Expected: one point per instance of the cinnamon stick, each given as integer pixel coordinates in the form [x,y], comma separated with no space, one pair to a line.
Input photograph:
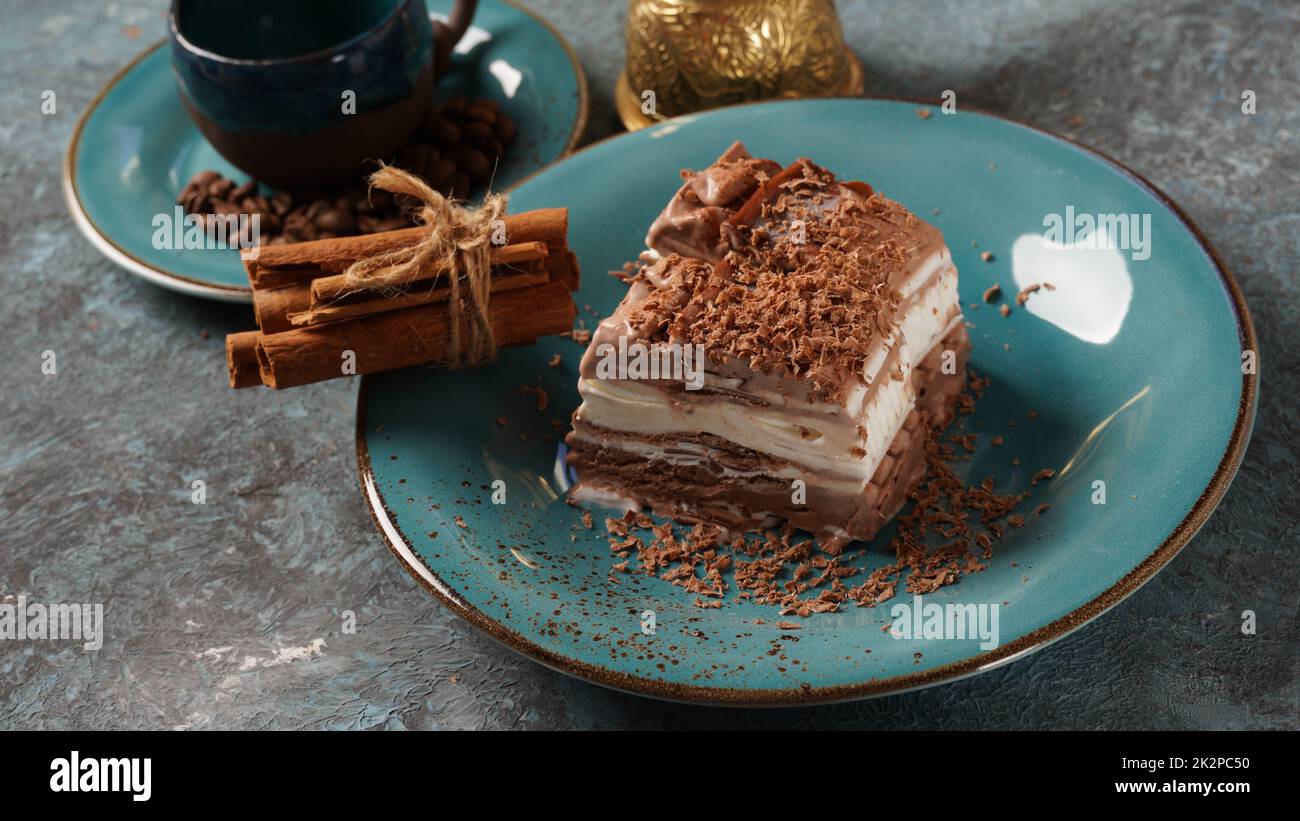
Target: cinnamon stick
[241,359]
[426,296]
[272,306]
[397,339]
[563,266]
[276,265]
[332,289]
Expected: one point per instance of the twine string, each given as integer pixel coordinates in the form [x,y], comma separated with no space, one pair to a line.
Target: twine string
[459,243]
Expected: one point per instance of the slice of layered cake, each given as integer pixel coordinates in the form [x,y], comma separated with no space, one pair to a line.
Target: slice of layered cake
[779,356]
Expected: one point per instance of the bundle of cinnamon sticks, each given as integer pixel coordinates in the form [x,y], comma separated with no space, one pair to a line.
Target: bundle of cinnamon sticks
[315,325]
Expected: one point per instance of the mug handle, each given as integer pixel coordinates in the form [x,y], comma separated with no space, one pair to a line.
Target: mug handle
[447,35]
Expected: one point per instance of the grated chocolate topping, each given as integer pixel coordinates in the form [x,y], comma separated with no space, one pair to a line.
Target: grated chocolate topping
[807,289]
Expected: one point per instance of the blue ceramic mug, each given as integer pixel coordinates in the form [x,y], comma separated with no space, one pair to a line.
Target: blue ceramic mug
[301,93]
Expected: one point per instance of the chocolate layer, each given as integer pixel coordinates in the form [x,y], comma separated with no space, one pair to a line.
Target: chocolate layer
[691,223]
[743,489]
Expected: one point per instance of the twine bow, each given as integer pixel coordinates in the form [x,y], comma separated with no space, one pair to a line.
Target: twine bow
[458,243]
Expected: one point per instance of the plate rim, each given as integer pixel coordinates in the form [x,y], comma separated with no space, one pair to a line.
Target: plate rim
[1144,571]
[174,281]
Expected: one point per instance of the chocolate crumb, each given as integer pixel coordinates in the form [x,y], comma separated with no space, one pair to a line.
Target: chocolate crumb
[994,291]
[947,533]
[1025,292]
[923,113]
[987,256]
[1004,309]
[1045,473]
[542,399]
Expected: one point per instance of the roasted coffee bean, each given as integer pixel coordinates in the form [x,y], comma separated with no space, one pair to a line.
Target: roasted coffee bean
[220,188]
[420,159]
[482,113]
[299,227]
[505,128]
[194,201]
[478,133]
[244,191]
[446,133]
[336,221]
[443,170]
[204,178]
[316,208]
[477,165]
[281,202]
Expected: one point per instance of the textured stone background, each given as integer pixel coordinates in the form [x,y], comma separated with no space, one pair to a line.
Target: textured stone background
[227,615]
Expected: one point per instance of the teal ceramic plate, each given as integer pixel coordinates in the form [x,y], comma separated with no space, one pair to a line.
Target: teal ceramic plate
[135,148]
[1133,366]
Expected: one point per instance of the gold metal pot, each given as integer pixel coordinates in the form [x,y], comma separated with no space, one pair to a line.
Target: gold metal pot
[689,55]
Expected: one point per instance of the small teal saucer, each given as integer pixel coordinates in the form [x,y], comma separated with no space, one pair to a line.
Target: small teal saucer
[1127,380]
[135,148]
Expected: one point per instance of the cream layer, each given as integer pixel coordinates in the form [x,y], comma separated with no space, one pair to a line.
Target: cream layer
[817,437]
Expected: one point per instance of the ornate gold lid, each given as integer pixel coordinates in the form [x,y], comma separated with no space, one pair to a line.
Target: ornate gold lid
[690,55]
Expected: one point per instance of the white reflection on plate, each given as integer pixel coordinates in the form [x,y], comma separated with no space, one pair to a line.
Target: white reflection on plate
[507,75]
[1092,284]
[473,37]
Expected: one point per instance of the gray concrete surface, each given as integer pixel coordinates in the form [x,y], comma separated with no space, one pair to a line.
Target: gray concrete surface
[227,615]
